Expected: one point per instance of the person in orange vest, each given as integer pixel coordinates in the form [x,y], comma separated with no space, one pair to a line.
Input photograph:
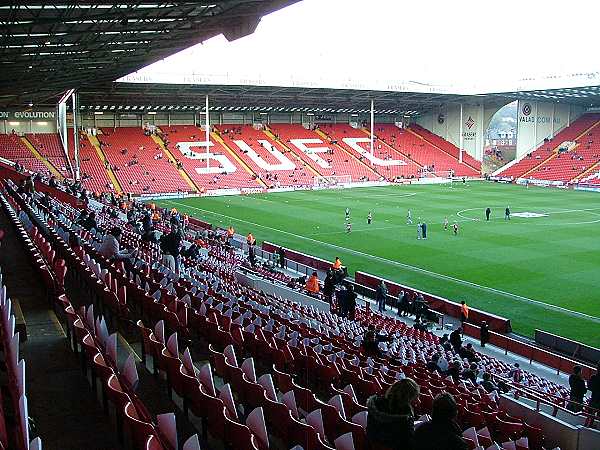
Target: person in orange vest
[464,312]
[337,265]
[250,239]
[312,285]
[230,232]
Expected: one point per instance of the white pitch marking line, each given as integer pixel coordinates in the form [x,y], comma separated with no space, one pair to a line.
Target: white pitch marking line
[405,266]
[549,213]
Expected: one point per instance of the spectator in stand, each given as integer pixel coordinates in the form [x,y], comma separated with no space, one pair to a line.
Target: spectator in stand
[390,421]
[381,295]
[170,244]
[110,248]
[90,222]
[578,390]
[45,200]
[441,432]
[456,339]
[445,342]
[192,251]
[252,255]
[487,383]
[484,333]
[350,301]
[464,312]
[454,370]
[312,285]
[328,286]
[432,364]
[468,352]
[403,304]
[594,388]
[471,373]
[338,270]
[516,373]
[370,343]
[82,217]
[29,185]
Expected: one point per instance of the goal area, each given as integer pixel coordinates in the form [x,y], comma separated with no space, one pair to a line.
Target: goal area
[443,174]
[332,181]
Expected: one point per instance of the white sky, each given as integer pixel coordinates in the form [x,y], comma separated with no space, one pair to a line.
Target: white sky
[460,46]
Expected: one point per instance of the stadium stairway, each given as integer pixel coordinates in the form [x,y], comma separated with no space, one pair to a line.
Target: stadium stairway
[414,133]
[53,170]
[172,158]
[390,148]
[267,131]
[338,146]
[111,175]
[586,172]
[537,166]
[431,138]
[217,137]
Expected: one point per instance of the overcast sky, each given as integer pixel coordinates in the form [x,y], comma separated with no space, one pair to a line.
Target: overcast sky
[459,46]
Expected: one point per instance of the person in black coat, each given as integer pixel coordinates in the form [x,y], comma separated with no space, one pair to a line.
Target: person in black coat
[390,422]
[328,286]
[350,301]
[578,390]
[251,255]
[281,253]
[90,222]
[441,432]
[456,339]
[488,211]
[484,333]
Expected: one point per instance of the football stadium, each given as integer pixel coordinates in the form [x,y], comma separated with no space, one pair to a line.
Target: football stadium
[296,224]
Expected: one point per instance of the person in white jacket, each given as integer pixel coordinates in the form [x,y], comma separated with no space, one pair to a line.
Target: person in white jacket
[111,247]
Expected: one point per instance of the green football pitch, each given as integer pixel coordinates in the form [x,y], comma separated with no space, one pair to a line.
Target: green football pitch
[541,269]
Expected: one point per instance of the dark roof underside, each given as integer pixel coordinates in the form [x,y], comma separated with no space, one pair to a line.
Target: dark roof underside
[160,97]
[50,47]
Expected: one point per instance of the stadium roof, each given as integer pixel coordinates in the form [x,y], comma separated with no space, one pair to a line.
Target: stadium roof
[149,97]
[588,96]
[140,97]
[49,47]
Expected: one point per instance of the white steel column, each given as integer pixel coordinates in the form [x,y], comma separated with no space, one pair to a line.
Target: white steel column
[553,113]
[461,138]
[207,132]
[372,125]
[76,136]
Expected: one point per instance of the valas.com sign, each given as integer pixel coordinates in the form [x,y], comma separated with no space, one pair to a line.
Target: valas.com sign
[542,115]
[28,115]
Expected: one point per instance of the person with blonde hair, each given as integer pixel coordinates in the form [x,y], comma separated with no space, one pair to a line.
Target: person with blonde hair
[390,422]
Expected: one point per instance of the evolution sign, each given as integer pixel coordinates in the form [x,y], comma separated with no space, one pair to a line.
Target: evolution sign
[27,115]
